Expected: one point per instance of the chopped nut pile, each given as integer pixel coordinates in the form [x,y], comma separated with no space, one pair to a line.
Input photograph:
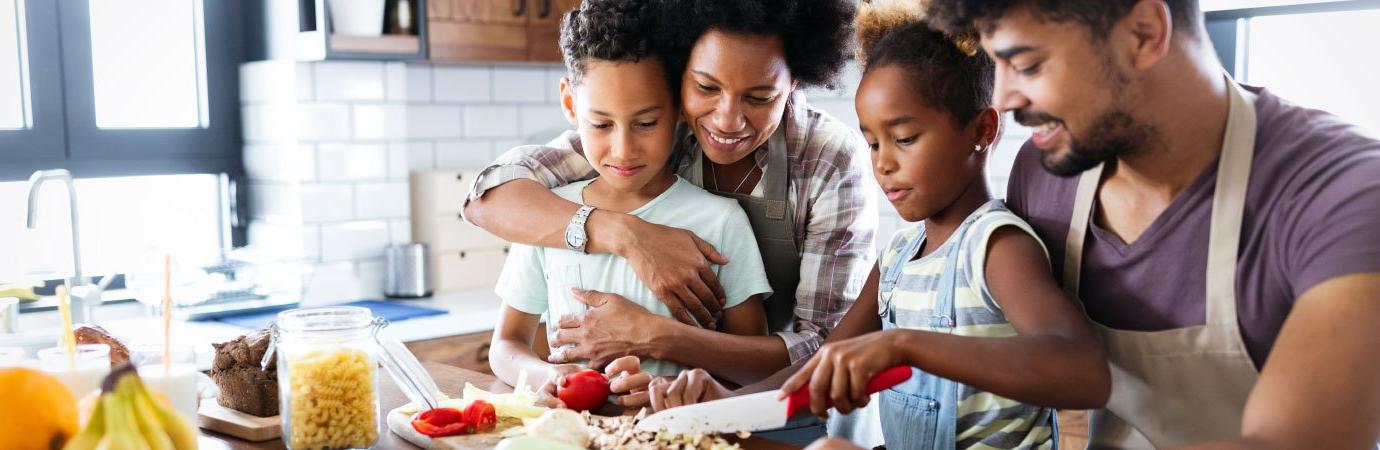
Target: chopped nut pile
[620,433]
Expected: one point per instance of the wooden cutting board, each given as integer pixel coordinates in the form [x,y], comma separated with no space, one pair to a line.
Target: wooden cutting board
[401,425]
[212,416]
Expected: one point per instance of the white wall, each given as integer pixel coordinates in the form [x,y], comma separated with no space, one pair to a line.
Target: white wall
[329,145]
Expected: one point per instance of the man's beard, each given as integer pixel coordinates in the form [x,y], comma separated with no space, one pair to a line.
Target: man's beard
[1113,134]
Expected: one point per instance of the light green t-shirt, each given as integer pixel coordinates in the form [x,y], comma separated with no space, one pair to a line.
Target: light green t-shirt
[537,280]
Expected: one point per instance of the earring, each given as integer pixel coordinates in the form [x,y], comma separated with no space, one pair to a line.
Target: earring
[978,148]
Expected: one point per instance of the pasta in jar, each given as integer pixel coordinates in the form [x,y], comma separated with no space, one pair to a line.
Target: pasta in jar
[332,402]
[328,377]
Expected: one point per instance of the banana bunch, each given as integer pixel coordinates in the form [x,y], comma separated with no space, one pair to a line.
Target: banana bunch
[127,417]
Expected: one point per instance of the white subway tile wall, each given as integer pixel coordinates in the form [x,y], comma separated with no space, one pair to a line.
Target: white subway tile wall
[520,84]
[349,81]
[351,162]
[456,84]
[329,145]
[349,241]
[491,121]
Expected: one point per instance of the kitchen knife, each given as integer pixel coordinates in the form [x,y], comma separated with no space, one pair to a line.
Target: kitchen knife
[752,412]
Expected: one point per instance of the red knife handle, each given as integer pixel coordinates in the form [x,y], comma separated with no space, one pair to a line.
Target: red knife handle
[800,399]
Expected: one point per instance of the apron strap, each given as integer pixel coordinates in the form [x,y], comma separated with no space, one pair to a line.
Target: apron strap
[1229,206]
[1078,228]
[776,178]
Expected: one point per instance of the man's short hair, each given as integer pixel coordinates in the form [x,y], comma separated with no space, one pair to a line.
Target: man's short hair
[1097,15]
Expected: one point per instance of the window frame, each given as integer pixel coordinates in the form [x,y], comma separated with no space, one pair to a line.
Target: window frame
[1225,27]
[46,140]
[62,29]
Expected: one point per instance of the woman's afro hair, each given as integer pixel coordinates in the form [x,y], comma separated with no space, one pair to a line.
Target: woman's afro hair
[816,34]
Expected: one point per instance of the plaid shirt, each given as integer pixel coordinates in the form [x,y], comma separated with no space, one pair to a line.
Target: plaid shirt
[832,192]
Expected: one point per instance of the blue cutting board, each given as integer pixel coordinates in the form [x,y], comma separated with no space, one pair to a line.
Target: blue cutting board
[393,311]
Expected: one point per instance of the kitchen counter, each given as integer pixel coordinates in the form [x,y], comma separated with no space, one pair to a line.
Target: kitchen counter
[450,379]
[469,312]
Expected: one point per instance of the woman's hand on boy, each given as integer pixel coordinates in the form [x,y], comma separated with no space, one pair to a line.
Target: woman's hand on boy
[838,373]
[546,396]
[613,327]
[689,387]
[675,264]
[628,382]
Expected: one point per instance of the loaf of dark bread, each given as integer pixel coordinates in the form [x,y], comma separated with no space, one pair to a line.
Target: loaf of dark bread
[243,385]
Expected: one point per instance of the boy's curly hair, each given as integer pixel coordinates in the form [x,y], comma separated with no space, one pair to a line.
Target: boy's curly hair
[949,72]
[609,30]
[814,33]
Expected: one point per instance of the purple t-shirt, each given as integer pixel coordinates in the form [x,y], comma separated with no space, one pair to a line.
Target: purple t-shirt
[1312,213]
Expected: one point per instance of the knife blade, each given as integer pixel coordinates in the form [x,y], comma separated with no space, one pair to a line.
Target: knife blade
[751,412]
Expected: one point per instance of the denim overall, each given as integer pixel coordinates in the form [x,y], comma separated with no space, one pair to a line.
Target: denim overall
[922,412]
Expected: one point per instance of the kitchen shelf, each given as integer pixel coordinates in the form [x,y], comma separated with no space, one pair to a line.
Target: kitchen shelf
[316,41]
[404,44]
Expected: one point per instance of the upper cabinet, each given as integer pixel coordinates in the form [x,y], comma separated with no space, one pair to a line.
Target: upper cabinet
[353,29]
[495,30]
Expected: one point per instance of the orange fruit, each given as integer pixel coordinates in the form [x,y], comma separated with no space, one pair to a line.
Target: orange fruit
[38,412]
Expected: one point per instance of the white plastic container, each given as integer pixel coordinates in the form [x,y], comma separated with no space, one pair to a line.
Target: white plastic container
[81,373]
[357,17]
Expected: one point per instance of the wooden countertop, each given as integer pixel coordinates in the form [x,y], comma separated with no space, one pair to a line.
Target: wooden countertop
[451,379]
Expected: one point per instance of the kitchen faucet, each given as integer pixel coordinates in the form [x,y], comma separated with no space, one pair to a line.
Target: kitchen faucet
[84,298]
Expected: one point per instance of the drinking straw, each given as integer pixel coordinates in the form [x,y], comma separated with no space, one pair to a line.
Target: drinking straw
[69,340]
[167,312]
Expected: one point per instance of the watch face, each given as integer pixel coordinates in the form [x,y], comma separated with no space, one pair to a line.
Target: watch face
[574,238]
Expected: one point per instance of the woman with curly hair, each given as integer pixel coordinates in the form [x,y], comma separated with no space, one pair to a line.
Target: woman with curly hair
[617,97]
[747,134]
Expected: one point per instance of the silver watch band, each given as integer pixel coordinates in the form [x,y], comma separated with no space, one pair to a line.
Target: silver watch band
[577,228]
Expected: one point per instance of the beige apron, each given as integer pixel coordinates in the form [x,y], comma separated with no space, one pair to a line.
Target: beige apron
[1181,386]
[773,224]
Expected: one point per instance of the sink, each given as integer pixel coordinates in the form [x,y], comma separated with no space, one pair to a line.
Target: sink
[39,330]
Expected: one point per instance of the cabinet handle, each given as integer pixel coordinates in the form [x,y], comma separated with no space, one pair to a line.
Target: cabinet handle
[522,8]
[545,9]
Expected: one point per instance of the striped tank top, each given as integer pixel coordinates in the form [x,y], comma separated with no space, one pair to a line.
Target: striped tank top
[985,420]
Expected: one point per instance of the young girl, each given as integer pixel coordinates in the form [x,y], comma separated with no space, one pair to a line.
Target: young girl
[966,297]
[618,97]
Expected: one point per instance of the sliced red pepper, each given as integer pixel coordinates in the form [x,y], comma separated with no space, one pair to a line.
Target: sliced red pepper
[481,415]
[441,422]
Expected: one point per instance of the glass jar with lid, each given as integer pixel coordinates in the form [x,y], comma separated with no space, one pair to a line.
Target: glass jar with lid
[328,377]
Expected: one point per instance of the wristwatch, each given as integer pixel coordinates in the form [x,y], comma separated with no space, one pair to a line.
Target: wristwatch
[575,237]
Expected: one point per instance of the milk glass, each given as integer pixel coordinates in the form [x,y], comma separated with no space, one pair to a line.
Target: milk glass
[82,372]
[177,383]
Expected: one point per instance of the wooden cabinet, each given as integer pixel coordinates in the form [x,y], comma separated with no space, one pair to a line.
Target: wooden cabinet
[469,351]
[544,30]
[495,30]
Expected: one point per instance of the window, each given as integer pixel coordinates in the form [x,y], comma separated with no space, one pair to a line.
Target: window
[148,87]
[1320,60]
[124,221]
[15,110]
[1320,55]
[147,61]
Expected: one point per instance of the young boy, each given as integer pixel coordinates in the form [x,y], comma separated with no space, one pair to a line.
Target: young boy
[618,97]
